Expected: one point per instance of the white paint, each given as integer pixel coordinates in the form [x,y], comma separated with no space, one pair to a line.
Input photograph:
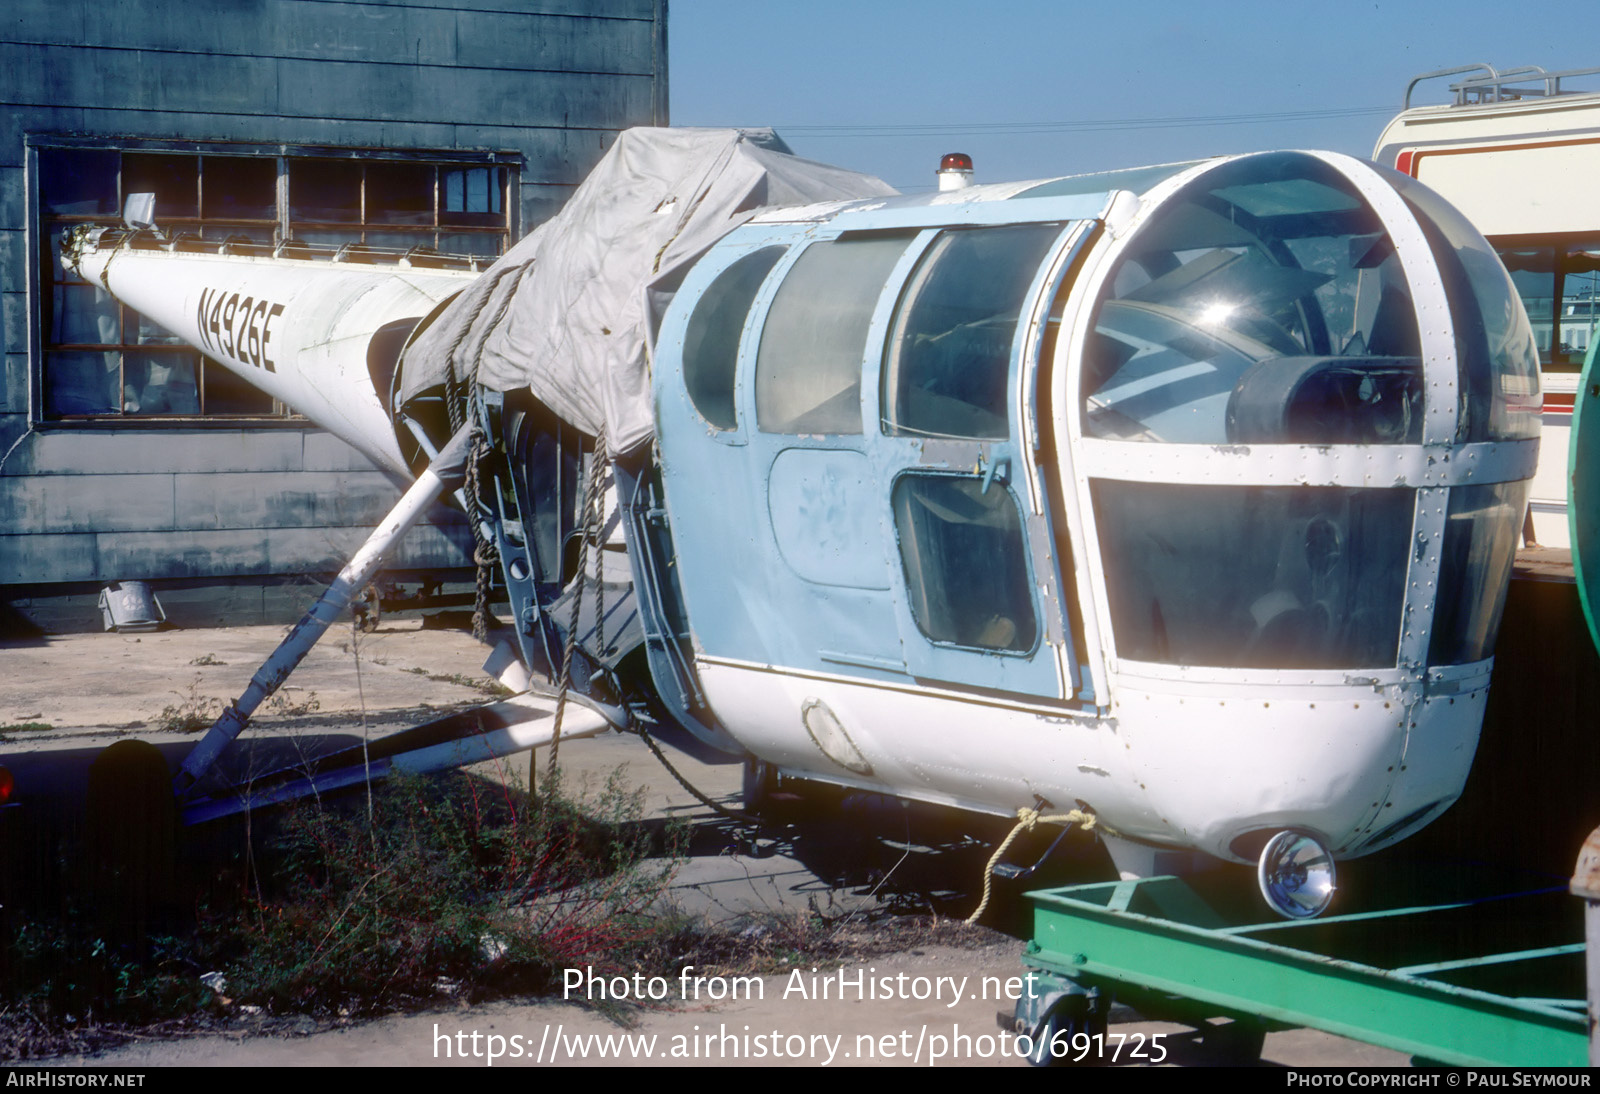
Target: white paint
[317,342]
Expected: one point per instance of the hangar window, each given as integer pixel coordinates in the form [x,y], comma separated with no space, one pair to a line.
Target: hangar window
[103,361]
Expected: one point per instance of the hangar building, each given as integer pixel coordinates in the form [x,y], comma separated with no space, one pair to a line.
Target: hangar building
[450,126]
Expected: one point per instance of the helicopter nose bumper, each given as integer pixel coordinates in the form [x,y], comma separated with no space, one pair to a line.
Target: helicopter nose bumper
[1358,763]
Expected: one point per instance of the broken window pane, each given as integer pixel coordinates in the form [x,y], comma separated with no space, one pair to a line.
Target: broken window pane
[225,393]
[174,180]
[83,383]
[147,332]
[78,181]
[214,199]
[470,243]
[399,193]
[85,316]
[324,190]
[239,187]
[399,241]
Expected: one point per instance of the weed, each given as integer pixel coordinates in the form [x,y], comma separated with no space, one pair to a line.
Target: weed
[488,687]
[280,705]
[453,885]
[450,883]
[192,713]
[26,727]
[207,659]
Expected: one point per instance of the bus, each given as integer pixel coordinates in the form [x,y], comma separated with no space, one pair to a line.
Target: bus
[1518,151]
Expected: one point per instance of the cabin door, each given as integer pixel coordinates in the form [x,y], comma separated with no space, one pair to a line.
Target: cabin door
[978,587]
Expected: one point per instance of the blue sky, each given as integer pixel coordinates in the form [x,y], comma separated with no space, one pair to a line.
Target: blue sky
[1031,88]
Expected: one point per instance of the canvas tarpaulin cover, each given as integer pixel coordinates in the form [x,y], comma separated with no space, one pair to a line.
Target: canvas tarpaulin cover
[567,312]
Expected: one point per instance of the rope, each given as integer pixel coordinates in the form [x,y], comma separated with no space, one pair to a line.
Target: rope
[1026,820]
[485,553]
[588,526]
[453,396]
[736,815]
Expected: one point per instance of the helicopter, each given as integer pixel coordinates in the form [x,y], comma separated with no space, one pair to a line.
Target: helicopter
[1182,499]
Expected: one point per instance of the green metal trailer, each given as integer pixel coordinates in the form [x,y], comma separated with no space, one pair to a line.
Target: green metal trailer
[1444,982]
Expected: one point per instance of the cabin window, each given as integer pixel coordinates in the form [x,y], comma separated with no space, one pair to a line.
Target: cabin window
[1480,543]
[1264,304]
[104,361]
[965,566]
[949,354]
[814,341]
[1498,359]
[711,342]
[1279,577]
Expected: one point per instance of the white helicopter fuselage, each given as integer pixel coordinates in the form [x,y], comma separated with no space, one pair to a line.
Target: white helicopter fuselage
[1176,560]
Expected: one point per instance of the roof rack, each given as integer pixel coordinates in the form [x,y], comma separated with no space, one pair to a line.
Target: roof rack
[1495,86]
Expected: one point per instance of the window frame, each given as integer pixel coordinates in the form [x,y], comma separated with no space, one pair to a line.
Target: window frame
[1562,245]
[43,284]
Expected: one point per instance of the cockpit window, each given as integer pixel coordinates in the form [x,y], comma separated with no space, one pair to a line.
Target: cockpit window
[1315,576]
[814,342]
[1264,304]
[949,353]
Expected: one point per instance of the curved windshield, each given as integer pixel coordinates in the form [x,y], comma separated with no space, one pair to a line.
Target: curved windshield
[1263,303]
[1255,576]
[1498,358]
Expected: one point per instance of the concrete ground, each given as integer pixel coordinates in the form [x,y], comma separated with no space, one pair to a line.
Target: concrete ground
[92,689]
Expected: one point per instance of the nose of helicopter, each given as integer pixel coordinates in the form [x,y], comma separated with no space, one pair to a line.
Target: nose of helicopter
[1358,765]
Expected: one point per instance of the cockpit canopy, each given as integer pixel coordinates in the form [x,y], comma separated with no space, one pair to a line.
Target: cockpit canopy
[1266,303]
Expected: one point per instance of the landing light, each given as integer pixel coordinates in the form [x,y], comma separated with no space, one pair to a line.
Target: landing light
[7,785]
[1296,875]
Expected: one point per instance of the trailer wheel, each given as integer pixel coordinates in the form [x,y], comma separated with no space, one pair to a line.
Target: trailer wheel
[1067,1036]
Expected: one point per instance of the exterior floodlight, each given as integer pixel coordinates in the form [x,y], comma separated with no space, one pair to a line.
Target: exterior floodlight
[1296,875]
